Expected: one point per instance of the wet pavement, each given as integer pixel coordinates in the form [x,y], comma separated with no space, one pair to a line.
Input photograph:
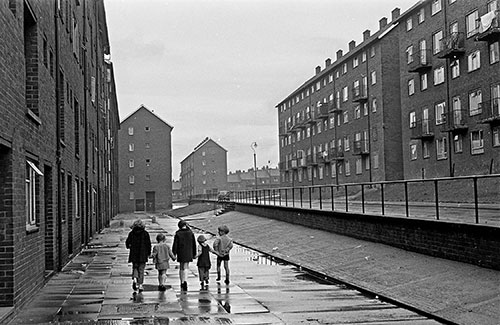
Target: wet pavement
[95,288]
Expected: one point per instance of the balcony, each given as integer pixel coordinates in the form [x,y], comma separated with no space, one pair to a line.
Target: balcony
[301,162]
[491,111]
[336,154]
[283,132]
[422,129]
[452,46]
[334,107]
[322,112]
[360,93]
[361,147]
[312,160]
[421,62]
[489,27]
[309,118]
[457,122]
[298,125]
[292,164]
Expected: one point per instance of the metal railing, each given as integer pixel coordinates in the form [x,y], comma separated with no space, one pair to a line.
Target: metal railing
[466,199]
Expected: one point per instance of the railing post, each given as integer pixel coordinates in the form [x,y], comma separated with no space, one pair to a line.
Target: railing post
[382,198]
[333,198]
[300,191]
[406,200]
[310,197]
[346,199]
[293,197]
[320,197]
[436,197]
[363,197]
[476,205]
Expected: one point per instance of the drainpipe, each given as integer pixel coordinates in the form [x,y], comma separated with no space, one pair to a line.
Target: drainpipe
[449,109]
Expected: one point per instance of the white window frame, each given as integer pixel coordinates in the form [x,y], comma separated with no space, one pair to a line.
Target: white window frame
[435,7]
[423,81]
[475,100]
[455,68]
[437,38]
[413,151]
[494,49]
[472,23]
[477,142]
[441,149]
[474,61]
[438,75]
[421,15]
[32,187]
[131,179]
[409,24]
[131,147]
[131,163]
[373,76]
[130,130]
[411,87]
[439,110]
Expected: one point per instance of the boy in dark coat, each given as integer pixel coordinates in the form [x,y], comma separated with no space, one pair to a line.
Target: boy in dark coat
[139,243]
[184,248]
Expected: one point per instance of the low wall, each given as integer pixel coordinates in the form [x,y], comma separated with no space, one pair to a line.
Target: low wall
[470,243]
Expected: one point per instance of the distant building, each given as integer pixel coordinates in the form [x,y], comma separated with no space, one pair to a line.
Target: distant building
[245,180]
[145,162]
[204,171]
[176,191]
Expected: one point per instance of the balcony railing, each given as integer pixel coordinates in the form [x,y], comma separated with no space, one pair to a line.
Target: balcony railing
[456,120]
[322,111]
[452,46]
[361,147]
[421,61]
[422,129]
[489,27]
[334,106]
[312,160]
[336,154]
[360,93]
[283,132]
[309,118]
[491,111]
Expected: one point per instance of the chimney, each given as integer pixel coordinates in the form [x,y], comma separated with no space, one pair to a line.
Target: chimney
[395,14]
[339,54]
[328,62]
[352,45]
[366,35]
[382,22]
[318,69]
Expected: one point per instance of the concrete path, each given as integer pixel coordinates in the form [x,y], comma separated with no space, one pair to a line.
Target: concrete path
[457,292]
[95,288]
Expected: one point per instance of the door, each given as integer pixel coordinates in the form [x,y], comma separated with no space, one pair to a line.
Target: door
[150,201]
[139,204]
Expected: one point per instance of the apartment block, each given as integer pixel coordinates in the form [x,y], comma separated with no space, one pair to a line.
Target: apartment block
[343,125]
[145,162]
[204,171]
[450,82]
[58,133]
[252,179]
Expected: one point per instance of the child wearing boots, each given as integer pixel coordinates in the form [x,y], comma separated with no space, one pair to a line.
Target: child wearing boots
[222,245]
[184,248]
[203,263]
[139,244]
[161,255]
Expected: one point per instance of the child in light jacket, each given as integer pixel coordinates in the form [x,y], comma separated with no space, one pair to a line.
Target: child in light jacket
[161,255]
[222,246]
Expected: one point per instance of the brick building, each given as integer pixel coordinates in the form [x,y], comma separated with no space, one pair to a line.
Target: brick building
[58,131]
[204,171]
[419,98]
[450,88]
[245,180]
[145,162]
[343,125]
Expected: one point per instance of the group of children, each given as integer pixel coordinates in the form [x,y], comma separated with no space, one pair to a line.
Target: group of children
[184,250]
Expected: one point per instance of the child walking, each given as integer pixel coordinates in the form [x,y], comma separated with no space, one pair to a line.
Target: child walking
[140,248]
[203,263]
[161,255]
[222,245]
[184,248]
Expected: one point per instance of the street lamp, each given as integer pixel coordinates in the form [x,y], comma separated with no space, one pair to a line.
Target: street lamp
[254,146]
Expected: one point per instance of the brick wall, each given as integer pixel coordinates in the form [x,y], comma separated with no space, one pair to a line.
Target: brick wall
[469,243]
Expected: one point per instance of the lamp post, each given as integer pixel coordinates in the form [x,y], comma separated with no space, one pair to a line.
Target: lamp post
[254,146]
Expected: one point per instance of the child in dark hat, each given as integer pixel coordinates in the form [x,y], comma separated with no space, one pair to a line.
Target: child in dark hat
[140,248]
[184,248]
[204,261]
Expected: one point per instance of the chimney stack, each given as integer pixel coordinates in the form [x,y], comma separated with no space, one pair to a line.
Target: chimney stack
[382,22]
[366,35]
[318,69]
[339,54]
[328,62]
[352,45]
[395,14]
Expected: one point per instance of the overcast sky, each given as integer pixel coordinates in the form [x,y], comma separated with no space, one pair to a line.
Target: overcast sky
[218,68]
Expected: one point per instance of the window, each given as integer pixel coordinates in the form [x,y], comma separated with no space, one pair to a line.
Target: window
[413,120]
[437,42]
[409,54]
[363,57]
[131,196]
[355,62]
[131,163]
[477,142]
[346,117]
[440,109]
[413,151]
[496,136]
[347,168]
[409,24]
[471,23]
[441,151]
[131,147]
[495,100]
[426,153]
[372,51]
[345,94]
[411,87]
[494,52]
[435,7]
[374,105]
[333,171]
[457,143]
[423,81]
[438,75]
[32,193]
[148,177]
[30,59]
[455,68]
[474,61]
[475,99]
[421,15]
[131,179]
[357,112]
[347,146]
[374,77]
[332,121]
[359,166]
[147,129]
